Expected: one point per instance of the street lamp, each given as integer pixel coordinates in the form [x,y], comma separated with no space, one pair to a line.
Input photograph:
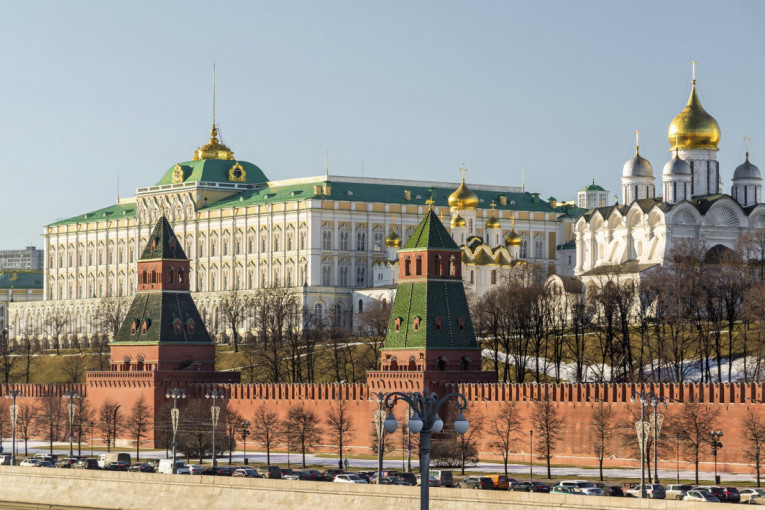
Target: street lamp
[214,394]
[71,408]
[652,399]
[425,421]
[655,401]
[245,433]
[531,449]
[14,394]
[175,394]
[378,420]
[716,445]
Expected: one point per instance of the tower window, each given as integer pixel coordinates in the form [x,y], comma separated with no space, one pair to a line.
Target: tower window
[408,266]
[418,265]
[397,324]
[438,265]
[461,323]
[437,323]
[416,323]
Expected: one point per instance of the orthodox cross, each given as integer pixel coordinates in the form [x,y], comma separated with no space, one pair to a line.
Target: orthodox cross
[693,70]
[463,170]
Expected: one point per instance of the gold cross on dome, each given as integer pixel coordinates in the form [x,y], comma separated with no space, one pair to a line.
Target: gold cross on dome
[393,218]
[693,70]
[493,205]
[637,138]
[463,170]
[746,138]
[430,202]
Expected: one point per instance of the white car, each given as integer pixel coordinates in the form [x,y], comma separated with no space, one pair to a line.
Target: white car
[348,478]
[195,469]
[700,495]
[30,462]
[749,494]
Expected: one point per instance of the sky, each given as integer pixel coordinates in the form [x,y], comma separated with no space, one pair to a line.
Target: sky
[96,92]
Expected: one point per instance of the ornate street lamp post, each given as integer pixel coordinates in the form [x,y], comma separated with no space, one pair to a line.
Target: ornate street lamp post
[71,407]
[379,419]
[649,398]
[245,432]
[14,394]
[716,445]
[531,450]
[175,394]
[214,394]
[425,421]
[657,421]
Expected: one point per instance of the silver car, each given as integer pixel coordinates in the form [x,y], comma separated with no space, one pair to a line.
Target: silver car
[652,490]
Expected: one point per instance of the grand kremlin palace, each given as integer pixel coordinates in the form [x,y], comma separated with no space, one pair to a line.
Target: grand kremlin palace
[323,236]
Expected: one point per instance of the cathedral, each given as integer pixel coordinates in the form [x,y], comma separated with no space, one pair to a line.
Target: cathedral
[323,236]
[638,234]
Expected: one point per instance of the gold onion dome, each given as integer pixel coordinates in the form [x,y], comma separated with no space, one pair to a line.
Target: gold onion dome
[694,128]
[493,222]
[213,149]
[393,240]
[458,221]
[463,198]
[512,239]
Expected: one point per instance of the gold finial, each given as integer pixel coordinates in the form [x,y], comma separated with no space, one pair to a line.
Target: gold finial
[213,94]
[693,71]
[512,222]
[430,202]
[637,142]
[493,205]
[393,219]
[463,170]
[746,138]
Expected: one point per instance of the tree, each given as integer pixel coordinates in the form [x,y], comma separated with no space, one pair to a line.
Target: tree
[303,428]
[109,422]
[28,348]
[233,310]
[50,418]
[467,442]
[108,318]
[754,435]
[695,421]
[25,424]
[195,431]
[7,358]
[340,426]
[601,428]
[84,421]
[373,328]
[138,423]
[233,422]
[547,424]
[56,323]
[266,427]
[503,430]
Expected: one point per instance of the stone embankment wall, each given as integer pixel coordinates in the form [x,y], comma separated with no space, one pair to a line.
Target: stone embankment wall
[100,490]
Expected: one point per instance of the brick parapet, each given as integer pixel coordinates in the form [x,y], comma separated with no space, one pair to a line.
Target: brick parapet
[32,390]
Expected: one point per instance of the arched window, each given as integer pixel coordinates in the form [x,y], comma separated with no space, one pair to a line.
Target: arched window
[416,323]
[144,277]
[180,275]
[452,267]
[437,323]
[170,275]
[397,324]
[418,265]
[139,364]
[407,266]
[126,364]
[153,276]
[438,265]
[441,363]
[412,363]
[461,323]
[394,364]
[493,276]
[361,306]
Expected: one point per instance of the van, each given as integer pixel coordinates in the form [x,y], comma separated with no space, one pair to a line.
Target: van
[166,466]
[445,478]
[274,472]
[107,458]
[500,481]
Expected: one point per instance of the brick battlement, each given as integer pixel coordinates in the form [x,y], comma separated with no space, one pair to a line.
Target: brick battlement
[43,390]
[296,391]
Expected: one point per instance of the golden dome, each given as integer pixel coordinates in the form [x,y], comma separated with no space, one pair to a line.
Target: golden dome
[213,149]
[493,222]
[694,128]
[463,198]
[458,221]
[393,240]
[512,239]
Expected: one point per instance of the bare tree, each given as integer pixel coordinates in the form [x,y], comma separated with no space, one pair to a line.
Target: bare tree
[28,348]
[109,422]
[266,428]
[50,419]
[233,311]
[373,328]
[303,428]
[84,420]
[233,421]
[547,424]
[754,435]
[73,368]
[467,442]
[275,313]
[108,318]
[601,429]
[503,430]
[7,358]
[694,421]
[138,423]
[26,424]
[56,324]
[340,427]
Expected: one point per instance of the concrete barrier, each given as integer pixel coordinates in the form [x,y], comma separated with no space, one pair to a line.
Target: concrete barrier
[63,488]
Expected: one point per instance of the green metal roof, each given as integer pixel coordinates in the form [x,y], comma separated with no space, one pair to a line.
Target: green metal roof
[19,279]
[214,170]
[160,310]
[430,234]
[163,244]
[593,187]
[112,212]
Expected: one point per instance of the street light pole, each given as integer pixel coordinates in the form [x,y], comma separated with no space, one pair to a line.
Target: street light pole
[655,401]
[14,394]
[716,445]
[71,408]
[531,449]
[214,394]
[425,421]
[175,394]
[378,419]
[245,433]
[647,397]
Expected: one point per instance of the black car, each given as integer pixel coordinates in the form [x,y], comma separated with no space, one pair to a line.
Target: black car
[142,468]
[117,466]
[476,482]
[409,478]
[218,471]
[86,464]
[611,490]
[531,486]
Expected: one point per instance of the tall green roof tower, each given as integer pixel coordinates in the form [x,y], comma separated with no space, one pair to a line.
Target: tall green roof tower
[430,340]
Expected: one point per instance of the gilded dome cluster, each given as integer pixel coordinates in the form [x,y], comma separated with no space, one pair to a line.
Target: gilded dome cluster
[694,128]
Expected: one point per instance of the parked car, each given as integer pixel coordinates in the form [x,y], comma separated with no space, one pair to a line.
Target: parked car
[246,473]
[348,478]
[751,493]
[432,481]
[218,471]
[5,460]
[287,471]
[195,469]
[330,474]
[47,464]
[153,463]
[476,482]
[675,491]
[393,480]
[142,467]
[652,490]
[610,490]
[67,462]
[50,457]
[701,495]
[409,478]
[585,487]
[500,482]
[732,495]
[86,464]
[561,489]
[531,486]
[30,462]
[166,466]
[273,472]
[117,465]
[317,476]
[106,458]
[718,492]
[445,478]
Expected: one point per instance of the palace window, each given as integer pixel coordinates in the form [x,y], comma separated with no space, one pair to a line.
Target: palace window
[361,241]
[326,240]
[361,276]
[344,238]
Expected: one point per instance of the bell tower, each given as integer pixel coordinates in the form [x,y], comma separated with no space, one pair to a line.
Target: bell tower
[430,340]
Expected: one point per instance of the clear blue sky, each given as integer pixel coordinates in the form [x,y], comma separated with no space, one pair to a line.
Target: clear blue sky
[92,90]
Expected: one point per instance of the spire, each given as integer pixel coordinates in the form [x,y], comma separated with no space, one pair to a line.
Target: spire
[523,177]
[746,138]
[637,142]
[693,72]
[213,94]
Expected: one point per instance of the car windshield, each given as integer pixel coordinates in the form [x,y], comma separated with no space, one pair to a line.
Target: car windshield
[353,477]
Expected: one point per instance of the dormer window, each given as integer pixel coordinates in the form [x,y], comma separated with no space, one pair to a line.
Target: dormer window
[416,323]
[172,244]
[145,326]
[461,323]
[177,326]
[437,323]
[397,324]
[134,326]
[153,243]
[190,325]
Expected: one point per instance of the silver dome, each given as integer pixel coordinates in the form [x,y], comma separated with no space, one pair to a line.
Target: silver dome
[746,170]
[677,166]
[637,167]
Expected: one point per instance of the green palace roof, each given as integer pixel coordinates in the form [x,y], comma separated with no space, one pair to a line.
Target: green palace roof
[593,187]
[215,170]
[112,212]
[19,279]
